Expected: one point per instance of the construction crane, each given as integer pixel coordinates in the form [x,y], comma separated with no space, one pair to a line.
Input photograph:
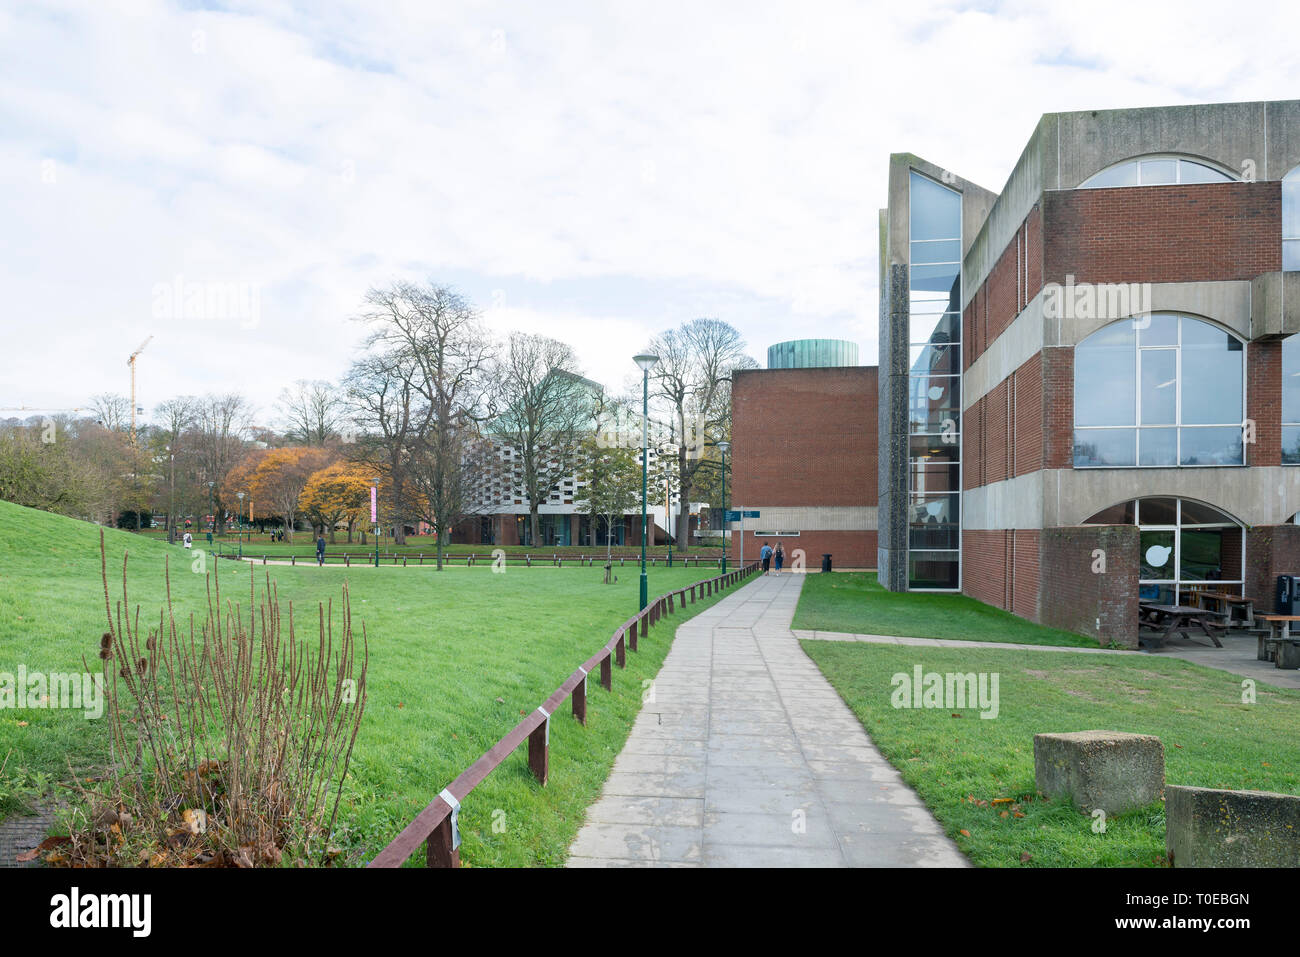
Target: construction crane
[131,363]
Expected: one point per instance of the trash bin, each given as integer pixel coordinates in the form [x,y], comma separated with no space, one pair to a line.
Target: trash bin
[1286,593]
[826,561]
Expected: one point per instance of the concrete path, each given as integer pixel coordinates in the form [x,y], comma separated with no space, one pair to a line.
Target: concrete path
[746,757]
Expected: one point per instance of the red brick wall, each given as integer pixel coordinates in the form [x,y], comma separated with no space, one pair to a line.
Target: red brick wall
[1271,550]
[1073,597]
[1014,279]
[804,437]
[984,573]
[1004,429]
[1193,233]
[1027,391]
[1058,408]
[1264,401]
[1025,573]
[848,549]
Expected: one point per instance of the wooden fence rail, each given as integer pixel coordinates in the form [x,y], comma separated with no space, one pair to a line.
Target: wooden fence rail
[436,826]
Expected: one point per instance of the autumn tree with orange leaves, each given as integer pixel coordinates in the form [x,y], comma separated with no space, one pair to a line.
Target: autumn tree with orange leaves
[337,493]
[275,479]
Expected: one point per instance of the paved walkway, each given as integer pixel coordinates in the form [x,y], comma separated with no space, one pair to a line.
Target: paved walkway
[747,757]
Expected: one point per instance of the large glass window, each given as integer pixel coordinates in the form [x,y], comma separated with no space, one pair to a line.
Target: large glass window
[1156,171]
[1159,391]
[1291,400]
[1183,545]
[1291,220]
[934,387]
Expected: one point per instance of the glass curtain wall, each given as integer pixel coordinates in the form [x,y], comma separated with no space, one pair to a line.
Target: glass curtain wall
[934,387]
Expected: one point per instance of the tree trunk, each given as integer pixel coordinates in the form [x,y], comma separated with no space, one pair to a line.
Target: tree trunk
[332,538]
[438,533]
[534,525]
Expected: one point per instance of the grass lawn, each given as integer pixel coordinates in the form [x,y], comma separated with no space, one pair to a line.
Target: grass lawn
[443,648]
[959,763]
[856,603]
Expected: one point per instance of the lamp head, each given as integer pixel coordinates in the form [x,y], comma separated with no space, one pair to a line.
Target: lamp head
[646,362]
[725,447]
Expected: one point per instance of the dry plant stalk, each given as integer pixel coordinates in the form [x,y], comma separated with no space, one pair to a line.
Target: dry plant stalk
[228,736]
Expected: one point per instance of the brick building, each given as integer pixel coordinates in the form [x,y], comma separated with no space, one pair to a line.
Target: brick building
[1089,383]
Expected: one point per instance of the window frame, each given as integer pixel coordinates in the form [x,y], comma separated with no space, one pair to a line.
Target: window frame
[1179,159]
[1178,425]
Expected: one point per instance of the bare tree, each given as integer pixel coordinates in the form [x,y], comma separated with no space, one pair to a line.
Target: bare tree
[547,410]
[112,411]
[693,378]
[311,411]
[221,422]
[175,418]
[436,343]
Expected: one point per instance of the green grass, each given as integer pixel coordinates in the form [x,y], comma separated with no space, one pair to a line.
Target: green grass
[856,603]
[1211,739]
[443,648]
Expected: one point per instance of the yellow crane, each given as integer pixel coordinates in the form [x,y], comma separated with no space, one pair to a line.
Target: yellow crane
[131,363]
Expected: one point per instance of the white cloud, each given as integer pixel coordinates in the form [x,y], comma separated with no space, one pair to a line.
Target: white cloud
[736,152]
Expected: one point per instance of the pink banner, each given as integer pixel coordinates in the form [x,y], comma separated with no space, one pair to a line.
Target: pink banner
[374,512]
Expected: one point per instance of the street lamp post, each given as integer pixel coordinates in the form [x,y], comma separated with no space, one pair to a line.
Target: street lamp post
[212,513]
[726,543]
[668,512]
[240,496]
[645,362]
[374,514]
[171,496]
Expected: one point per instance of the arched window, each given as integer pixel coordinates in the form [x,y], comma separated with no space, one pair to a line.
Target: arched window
[1159,390]
[1291,221]
[1183,545]
[1156,171]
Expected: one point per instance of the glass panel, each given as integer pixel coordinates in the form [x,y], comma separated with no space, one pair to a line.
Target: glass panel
[925,477]
[936,280]
[1291,444]
[1157,554]
[933,448]
[1214,446]
[934,536]
[1291,204]
[1190,172]
[1105,377]
[1159,386]
[1211,374]
[1160,594]
[1100,447]
[1197,513]
[1158,511]
[1159,172]
[934,326]
[924,416]
[1158,330]
[1201,554]
[1157,447]
[1121,514]
[1125,174]
[935,210]
[932,570]
[941,251]
[1291,255]
[935,360]
[934,509]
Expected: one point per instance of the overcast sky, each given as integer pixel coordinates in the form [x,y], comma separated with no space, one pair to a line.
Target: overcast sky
[594,171]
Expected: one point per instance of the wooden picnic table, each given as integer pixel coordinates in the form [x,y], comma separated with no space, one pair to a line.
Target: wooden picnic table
[1169,619]
[1280,646]
[1224,604]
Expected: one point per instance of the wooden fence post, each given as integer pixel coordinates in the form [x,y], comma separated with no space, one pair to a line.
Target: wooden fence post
[580,699]
[631,635]
[442,849]
[606,674]
[539,748]
[621,651]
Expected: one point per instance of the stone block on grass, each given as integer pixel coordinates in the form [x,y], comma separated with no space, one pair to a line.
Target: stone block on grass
[1111,770]
[1208,827]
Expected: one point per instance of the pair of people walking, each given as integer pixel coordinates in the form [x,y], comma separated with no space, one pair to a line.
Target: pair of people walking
[769,555]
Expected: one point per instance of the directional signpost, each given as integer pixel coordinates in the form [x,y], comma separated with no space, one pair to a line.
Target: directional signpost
[739,515]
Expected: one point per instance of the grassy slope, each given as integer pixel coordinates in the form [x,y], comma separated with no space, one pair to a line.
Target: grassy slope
[856,603]
[443,648]
[1211,739]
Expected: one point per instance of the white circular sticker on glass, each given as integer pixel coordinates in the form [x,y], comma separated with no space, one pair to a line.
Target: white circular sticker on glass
[1157,555]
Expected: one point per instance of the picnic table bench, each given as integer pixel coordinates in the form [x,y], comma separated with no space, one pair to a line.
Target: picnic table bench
[1279,646]
[1167,620]
[1227,604]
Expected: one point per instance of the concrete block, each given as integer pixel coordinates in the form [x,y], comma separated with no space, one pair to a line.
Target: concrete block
[1111,770]
[1206,827]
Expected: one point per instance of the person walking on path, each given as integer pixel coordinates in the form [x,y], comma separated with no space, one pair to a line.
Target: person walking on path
[780,557]
[766,555]
[320,550]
